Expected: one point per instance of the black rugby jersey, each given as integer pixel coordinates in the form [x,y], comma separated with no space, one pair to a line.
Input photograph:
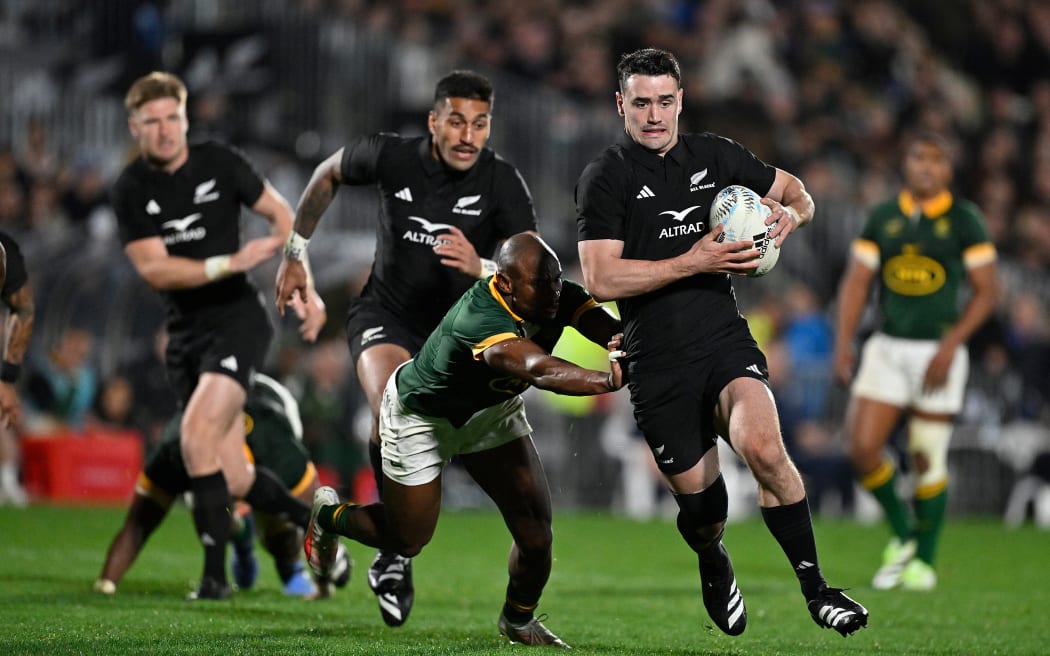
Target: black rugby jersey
[419,199]
[658,206]
[17,276]
[196,210]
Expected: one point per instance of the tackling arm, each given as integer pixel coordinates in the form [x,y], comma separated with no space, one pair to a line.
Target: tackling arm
[525,359]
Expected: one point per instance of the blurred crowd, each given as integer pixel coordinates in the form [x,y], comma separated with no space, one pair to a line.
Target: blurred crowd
[823,88]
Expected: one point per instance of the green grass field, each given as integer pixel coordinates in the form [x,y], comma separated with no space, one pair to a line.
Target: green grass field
[618,587]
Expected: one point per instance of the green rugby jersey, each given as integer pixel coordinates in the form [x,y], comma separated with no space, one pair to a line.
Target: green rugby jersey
[922,254]
[449,378]
[273,433]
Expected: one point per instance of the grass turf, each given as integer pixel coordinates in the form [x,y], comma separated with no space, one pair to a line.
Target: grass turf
[618,587]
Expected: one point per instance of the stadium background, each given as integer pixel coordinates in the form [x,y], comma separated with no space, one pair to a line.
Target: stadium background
[822,88]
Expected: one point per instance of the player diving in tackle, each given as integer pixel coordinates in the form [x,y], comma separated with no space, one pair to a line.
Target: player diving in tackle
[461,395]
[273,433]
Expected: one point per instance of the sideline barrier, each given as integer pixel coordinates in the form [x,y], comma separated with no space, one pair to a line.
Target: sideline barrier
[93,467]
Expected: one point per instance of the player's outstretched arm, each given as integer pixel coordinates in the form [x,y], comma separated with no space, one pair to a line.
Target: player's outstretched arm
[525,359]
[143,517]
[599,325]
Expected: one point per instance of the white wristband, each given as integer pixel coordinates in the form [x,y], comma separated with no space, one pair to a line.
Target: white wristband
[794,215]
[217,267]
[295,247]
[488,268]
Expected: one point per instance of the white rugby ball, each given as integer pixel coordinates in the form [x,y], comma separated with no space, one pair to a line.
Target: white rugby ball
[743,218]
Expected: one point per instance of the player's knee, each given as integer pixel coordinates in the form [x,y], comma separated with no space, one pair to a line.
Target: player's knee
[535,539]
[928,446]
[764,455]
[702,515]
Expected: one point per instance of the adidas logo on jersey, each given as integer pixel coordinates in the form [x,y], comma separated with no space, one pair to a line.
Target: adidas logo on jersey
[645,192]
[754,368]
[405,195]
[463,203]
[694,181]
[152,208]
[229,363]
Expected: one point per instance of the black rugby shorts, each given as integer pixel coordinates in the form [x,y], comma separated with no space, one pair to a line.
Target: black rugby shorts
[369,324]
[675,408]
[230,340]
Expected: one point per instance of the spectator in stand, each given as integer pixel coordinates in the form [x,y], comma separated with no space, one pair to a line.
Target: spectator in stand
[61,388]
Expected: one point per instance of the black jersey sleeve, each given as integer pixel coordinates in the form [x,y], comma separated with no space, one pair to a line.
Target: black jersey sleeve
[129,204]
[360,163]
[743,166]
[601,209]
[247,181]
[17,276]
[516,212]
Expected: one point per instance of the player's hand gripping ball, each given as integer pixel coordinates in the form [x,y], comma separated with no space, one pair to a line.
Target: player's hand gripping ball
[743,218]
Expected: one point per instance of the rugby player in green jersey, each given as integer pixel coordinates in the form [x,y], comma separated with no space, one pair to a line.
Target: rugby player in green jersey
[461,396]
[921,247]
[273,432]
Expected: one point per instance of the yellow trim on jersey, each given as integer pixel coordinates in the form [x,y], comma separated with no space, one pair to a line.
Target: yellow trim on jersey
[248,453]
[979,255]
[931,490]
[932,208]
[489,342]
[866,252]
[879,477]
[308,477]
[339,511]
[591,303]
[499,297]
[147,488]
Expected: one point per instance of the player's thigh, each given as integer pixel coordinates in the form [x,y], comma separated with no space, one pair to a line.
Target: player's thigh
[747,414]
[375,367]
[214,410]
[869,424]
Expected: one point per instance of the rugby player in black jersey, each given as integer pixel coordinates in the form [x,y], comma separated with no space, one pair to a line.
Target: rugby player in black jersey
[446,202]
[461,395]
[695,371]
[178,209]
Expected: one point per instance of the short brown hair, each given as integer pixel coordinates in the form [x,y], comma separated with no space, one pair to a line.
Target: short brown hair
[157,84]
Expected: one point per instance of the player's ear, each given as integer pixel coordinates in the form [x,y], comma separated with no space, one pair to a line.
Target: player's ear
[681,95]
[619,103]
[132,127]
[432,122]
[503,283]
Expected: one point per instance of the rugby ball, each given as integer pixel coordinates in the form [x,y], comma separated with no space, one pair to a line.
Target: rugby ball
[743,218]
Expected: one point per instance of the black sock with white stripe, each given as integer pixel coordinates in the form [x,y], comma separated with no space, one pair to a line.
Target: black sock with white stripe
[792,526]
[211,518]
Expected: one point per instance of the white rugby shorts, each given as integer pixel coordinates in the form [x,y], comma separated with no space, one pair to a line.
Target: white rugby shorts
[892,370]
[416,448]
